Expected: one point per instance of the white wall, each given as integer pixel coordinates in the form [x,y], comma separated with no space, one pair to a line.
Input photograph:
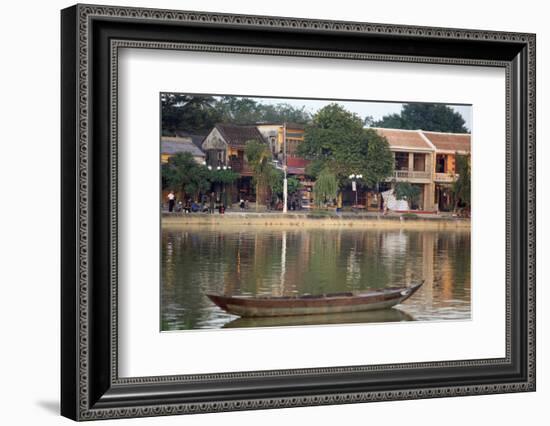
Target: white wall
[29,225]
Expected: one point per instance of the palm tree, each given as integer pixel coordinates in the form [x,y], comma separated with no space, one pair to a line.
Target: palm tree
[258,157]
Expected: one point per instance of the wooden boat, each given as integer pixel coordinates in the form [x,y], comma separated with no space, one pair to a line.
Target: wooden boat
[269,306]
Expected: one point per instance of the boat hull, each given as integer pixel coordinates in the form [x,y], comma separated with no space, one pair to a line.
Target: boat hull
[250,307]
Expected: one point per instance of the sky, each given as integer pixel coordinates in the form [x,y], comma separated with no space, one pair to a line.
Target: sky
[362,108]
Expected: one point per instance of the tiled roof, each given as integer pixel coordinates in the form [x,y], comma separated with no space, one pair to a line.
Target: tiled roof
[408,139]
[420,139]
[295,126]
[237,136]
[455,142]
[196,139]
[173,145]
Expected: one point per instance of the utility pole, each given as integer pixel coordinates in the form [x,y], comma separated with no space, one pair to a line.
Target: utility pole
[285,183]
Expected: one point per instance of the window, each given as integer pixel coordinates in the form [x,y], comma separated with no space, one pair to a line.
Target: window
[440,164]
[221,157]
[419,162]
[401,161]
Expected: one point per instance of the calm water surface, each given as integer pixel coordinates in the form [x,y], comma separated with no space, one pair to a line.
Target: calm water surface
[275,261]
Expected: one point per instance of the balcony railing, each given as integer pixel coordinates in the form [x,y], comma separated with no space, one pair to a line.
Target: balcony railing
[239,166]
[445,177]
[409,174]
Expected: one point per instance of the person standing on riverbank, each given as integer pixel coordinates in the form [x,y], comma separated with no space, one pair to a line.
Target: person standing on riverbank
[171,201]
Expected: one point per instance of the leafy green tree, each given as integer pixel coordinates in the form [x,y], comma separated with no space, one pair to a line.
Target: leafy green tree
[379,163]
[277,183]
[326,187]
[336,140]
[258,157]
[193,114]
[199,114]
[284,112]
[408,192]
[239,110]
[336,117]
[391,121]
[224,177]
[182,173]
[430,117]
[462,185]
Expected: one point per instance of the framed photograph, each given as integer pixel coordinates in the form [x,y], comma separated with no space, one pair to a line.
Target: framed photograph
[263,212]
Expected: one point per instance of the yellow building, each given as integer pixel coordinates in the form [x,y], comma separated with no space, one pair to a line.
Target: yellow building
[414,159]
[274,134]
[426,160]
[171,145]
[447,146]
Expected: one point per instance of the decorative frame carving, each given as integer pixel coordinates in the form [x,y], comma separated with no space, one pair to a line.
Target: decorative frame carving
[91,388]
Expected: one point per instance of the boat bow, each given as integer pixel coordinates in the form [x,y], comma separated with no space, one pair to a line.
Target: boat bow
[266,306]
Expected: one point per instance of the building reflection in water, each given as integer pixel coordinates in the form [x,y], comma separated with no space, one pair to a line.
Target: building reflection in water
[280,262]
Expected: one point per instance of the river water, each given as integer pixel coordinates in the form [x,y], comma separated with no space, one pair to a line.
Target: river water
[275,261]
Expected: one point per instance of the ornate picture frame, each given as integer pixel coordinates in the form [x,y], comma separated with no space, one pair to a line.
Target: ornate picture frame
[90,40]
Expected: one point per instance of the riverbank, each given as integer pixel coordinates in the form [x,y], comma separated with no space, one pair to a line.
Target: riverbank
[317,220]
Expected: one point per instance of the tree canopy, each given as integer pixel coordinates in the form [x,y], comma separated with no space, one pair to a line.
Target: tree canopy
[408,192]
[237,110]
[326,187]
[277,183]
[462,185]
[337,141]
[193,114]
[429,117]
[198,114]
[226,176]
[183,173]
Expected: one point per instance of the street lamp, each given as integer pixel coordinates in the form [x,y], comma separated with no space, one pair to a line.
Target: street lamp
[354,177]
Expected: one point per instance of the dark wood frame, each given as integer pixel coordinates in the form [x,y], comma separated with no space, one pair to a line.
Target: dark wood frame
[90,386]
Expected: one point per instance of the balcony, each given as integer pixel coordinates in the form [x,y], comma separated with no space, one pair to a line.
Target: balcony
[409,175]
[240,166]
[446,177]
